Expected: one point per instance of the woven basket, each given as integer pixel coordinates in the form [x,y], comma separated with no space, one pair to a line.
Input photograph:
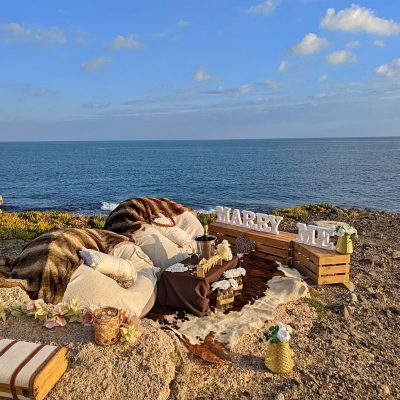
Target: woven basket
[106,325]
[279,358]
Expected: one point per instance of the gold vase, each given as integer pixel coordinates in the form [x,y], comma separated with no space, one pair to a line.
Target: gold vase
[344,245]
[279,358]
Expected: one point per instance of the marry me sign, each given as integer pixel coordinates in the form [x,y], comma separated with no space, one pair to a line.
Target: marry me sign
[312,235]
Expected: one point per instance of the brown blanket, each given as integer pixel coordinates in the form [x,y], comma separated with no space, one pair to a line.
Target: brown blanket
[131,214]
[45,265]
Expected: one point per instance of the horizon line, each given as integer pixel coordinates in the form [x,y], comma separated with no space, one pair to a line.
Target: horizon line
[197,140]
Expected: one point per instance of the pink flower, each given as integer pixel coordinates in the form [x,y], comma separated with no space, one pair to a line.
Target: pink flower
[54,322]
[88,318]
[31,306]
[125,317]
[59,309]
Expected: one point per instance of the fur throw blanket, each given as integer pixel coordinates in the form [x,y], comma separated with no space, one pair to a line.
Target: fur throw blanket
[45,265]
[131,214]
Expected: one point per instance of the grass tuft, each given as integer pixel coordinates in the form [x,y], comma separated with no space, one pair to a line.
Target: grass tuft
[321,309]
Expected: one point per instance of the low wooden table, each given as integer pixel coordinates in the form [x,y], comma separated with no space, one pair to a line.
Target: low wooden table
[186,290]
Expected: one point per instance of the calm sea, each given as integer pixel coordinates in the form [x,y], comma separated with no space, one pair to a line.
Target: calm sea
[91,177]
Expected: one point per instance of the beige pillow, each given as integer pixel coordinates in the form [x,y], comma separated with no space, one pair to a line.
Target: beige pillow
[119,268]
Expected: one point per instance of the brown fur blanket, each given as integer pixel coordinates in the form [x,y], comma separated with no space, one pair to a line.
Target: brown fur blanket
[45,265]
[131,214]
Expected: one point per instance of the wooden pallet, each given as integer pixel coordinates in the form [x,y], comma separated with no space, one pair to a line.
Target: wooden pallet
[321,265]
[267,245]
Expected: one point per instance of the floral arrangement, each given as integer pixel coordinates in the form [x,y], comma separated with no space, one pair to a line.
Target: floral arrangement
[234,273]
[346,230]
[224,250]
[60,314]
[278,333]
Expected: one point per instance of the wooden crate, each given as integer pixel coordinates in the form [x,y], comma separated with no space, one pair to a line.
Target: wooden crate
[267,245]
[321,265]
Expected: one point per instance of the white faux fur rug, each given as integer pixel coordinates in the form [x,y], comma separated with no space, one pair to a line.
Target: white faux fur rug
[229,328]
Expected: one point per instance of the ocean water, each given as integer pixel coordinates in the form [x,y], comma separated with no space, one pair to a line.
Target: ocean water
[259,175]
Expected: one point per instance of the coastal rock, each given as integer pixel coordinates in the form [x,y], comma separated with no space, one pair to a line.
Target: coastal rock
[8,295]
[396,255]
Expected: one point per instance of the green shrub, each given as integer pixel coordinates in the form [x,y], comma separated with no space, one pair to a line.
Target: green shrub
[31,224]
[302,212]
[206,218]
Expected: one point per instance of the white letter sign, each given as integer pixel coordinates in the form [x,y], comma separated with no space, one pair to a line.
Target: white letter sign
[249,219]
[317,236]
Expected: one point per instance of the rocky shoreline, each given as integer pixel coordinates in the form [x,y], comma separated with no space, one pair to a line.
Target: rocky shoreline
[346,340]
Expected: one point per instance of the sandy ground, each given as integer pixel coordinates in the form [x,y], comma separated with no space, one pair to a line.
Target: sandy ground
[352,353]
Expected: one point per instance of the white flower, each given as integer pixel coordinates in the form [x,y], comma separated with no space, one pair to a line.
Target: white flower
[231,273]
[233,283]
[241,271]
[283,326]
[283,335]
[341,231]
[223,285]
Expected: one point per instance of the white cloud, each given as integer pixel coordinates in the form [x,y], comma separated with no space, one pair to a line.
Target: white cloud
[125,42]
[282,66]
[310,44]
[359,19]
[183,23]
[389,70]
[202,75]
[323,78]
[353,44]
[265,8]
[378,43]
[17,33]
[95,64]
[245,89]
[341,57]
[41,91]
[95,105]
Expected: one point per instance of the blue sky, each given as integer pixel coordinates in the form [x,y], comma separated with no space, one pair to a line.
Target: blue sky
[103,70]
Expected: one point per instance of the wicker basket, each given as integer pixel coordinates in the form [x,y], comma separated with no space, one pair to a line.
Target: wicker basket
[279,358]
[106,325]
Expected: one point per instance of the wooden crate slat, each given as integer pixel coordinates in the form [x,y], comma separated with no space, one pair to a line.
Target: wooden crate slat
[330,279]
[270,239]
[334,269]
[262,248]
[321,256]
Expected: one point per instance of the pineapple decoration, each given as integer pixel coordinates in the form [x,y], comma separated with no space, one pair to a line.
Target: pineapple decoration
[279,355]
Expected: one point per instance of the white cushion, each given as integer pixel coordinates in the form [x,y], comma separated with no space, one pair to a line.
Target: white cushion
[92,287]
[173,233]
[109,265]
[162,251]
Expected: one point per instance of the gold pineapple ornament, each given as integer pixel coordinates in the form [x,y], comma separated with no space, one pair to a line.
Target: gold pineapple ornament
[279,355]
[344,245]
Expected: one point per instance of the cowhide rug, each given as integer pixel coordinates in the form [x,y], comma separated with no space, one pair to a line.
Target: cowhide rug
[265,286]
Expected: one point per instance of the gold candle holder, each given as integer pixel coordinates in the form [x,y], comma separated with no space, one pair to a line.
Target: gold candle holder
[106,325]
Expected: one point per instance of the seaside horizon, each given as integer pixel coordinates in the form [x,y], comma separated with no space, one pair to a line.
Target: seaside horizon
[205,139]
